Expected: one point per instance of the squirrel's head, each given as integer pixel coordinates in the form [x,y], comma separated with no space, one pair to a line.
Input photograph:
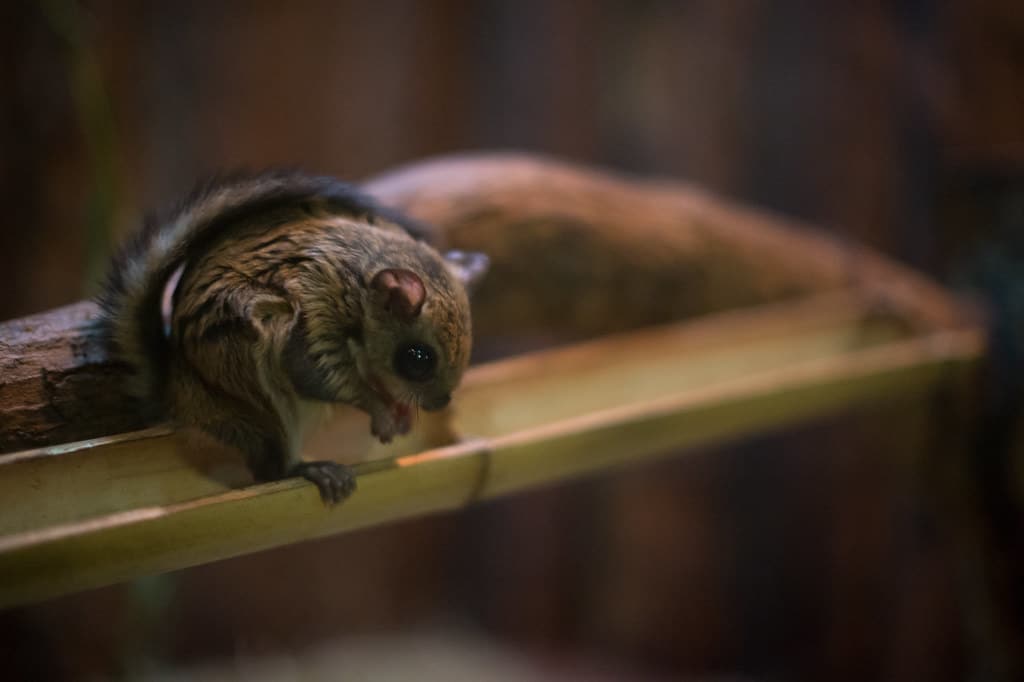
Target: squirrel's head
[417,335]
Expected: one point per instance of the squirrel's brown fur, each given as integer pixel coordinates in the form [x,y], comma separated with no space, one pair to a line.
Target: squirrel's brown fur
[284,291]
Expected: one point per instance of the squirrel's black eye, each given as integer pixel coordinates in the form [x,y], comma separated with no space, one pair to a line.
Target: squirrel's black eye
[415,362]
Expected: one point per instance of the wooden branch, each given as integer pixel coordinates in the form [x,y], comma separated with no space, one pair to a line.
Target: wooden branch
[142,503]
[56,382]
[576,253]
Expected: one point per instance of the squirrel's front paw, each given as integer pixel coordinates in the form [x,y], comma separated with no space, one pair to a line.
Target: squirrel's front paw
[385,424]
[334,481]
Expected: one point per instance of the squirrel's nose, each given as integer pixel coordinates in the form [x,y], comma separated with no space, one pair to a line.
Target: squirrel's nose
[436,402]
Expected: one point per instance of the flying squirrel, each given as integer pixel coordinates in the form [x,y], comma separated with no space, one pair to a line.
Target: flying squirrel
[261,297]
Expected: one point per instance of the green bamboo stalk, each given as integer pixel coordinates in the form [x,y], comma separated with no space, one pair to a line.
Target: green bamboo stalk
[117,508]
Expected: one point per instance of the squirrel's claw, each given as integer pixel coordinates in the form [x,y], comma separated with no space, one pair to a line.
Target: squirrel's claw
[334,481]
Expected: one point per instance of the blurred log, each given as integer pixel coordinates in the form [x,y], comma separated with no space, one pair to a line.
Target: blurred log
[575,253]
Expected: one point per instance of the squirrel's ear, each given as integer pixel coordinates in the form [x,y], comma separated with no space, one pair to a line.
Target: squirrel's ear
[468,266]
[401,291]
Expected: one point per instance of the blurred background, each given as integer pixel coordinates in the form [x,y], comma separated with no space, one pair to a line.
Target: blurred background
[805,555]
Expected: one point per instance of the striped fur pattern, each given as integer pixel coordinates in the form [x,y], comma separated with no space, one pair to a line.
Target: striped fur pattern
[288,298]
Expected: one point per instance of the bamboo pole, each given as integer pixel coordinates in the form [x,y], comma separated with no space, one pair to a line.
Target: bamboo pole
[116,508]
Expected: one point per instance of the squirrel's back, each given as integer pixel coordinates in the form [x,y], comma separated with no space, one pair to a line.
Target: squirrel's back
[130,301]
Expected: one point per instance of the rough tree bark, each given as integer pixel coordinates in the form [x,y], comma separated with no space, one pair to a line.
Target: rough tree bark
[575,253]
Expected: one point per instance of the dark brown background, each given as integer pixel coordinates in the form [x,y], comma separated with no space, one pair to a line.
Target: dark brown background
[806,555]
